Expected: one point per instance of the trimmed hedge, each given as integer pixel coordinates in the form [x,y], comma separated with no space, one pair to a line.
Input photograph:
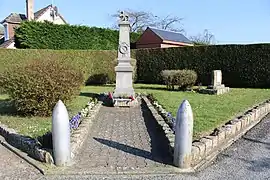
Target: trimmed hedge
[241,65]
[91,63]
[38,35]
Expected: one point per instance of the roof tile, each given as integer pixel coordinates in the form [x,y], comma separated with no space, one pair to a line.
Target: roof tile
[18,18]
[14,18]
[170,36]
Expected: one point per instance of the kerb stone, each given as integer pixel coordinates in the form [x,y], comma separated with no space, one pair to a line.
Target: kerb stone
[208,144]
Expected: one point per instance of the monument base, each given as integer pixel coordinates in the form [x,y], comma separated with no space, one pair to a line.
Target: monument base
[124,84]
[120,92]
[215,90]
[123,102]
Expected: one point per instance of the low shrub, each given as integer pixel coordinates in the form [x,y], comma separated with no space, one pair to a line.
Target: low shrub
[36,87]
[184,79]
[169,78]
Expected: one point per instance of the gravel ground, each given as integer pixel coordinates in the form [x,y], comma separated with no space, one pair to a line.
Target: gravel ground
[13,167]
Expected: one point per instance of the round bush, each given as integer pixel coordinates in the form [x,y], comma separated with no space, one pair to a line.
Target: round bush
[185,79]
[169,78]
[36,87]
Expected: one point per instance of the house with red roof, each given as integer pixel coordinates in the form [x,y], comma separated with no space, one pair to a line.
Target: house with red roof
[159,38]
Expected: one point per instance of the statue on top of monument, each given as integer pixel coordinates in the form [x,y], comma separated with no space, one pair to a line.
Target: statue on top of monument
[123,16]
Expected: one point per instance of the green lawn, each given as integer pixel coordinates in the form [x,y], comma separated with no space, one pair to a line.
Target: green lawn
[35,126]
[209,111]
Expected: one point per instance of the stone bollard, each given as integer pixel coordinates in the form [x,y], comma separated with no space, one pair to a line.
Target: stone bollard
[61,135]
[183,136]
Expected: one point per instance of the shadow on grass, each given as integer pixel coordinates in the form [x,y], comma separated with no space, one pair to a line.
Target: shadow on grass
[165,89]
[105,100]
[101,85]
[7,107]
[153,88]
[91,95]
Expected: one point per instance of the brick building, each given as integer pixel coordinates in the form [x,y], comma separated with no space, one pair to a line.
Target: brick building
[156,38]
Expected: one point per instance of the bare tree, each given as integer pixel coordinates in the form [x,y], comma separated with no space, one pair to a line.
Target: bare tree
[206,38]
[172,23]
[140,20]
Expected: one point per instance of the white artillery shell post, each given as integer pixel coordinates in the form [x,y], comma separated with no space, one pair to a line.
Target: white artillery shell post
[183,136]
[61,135]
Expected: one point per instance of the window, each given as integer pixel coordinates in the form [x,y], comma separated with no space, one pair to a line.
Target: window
[6,32]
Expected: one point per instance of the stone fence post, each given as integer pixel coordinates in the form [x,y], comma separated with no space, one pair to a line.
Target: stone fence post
[61,135]
[183,136]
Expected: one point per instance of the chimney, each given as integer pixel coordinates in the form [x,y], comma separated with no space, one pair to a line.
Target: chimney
[30,9]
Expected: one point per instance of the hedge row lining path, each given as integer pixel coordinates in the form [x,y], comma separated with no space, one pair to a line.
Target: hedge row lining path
[123,139]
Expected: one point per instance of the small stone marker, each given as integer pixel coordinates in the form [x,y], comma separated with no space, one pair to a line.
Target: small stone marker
[216,86]
[217,78]
[183,136]
[61,135]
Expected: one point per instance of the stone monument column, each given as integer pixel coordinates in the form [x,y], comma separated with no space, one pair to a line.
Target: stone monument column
[124,84]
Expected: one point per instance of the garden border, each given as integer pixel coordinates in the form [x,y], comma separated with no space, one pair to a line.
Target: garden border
[26,144]
[79,135]
[33,147]
[160,120]
[208,147]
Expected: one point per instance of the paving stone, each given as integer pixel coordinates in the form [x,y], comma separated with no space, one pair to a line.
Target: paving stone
[124,138]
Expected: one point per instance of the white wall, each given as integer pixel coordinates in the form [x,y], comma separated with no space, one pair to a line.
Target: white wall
[6,32]
[11,46]
[47,16]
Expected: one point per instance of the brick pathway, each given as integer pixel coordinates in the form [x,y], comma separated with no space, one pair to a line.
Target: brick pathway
[123,139]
